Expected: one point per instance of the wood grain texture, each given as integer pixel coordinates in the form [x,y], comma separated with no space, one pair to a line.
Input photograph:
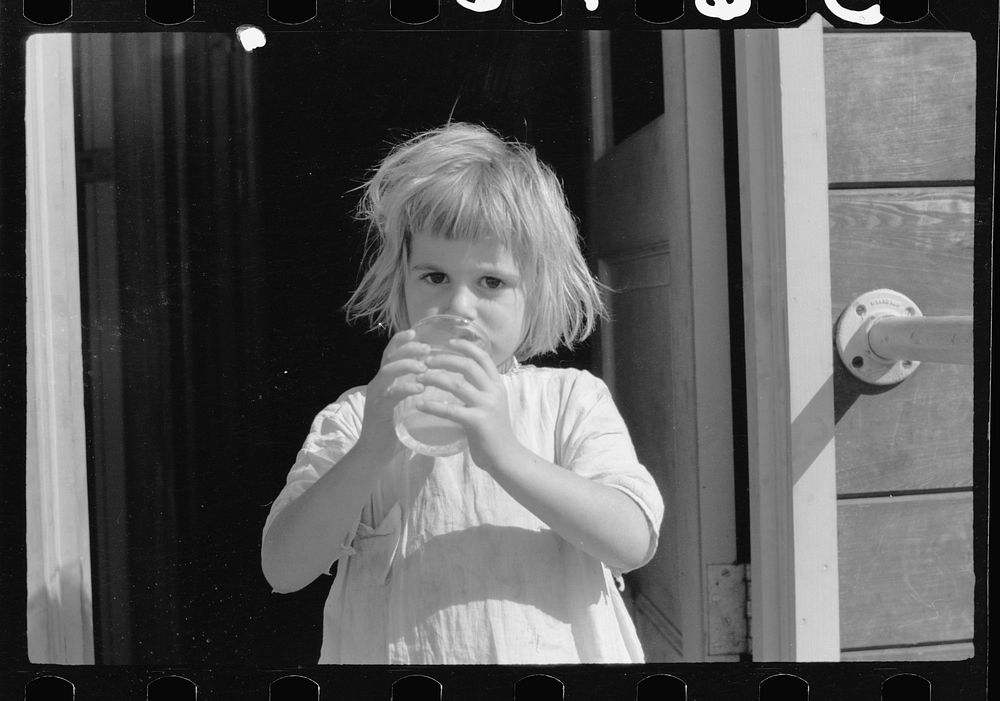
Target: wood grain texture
[918,434]
[906,573]
[917,241]
[901,106]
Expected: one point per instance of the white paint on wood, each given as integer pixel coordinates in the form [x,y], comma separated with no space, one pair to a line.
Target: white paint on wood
[783,181]
[59,610]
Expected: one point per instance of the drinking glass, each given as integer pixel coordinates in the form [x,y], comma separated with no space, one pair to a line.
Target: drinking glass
[424,433]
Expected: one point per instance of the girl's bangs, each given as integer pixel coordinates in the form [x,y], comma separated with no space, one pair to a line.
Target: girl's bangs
[467,209]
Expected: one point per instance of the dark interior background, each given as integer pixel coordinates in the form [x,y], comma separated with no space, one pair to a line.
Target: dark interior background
[215,265]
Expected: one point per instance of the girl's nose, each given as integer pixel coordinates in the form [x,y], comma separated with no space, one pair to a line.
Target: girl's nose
[461,302]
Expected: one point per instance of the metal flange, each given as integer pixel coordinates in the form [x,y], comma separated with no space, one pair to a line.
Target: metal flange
[852,337]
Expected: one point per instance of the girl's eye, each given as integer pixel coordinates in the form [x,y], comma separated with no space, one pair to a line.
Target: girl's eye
[435,278]
[493,283]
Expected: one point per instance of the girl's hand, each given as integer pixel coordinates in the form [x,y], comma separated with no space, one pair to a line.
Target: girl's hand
[402,359]
[475,381]
[599,519]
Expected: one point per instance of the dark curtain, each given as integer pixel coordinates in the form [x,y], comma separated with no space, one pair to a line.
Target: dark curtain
[169,244]
[218,247]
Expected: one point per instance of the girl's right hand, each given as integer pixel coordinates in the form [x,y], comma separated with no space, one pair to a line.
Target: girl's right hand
[401,360]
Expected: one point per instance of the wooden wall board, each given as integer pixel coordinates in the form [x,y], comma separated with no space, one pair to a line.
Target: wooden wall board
[901,136]
[915,435]
[917,653]
[900,106]
[906,570]
[918,241]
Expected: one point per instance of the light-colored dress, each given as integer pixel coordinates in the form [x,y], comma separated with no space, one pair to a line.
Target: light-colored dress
[445,567]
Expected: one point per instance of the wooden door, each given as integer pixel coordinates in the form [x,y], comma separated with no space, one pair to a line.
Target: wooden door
[655,183]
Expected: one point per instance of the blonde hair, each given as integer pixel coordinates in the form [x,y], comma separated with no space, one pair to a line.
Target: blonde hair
[464,182]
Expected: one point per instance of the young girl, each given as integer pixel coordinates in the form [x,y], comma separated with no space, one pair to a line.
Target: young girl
[509,551]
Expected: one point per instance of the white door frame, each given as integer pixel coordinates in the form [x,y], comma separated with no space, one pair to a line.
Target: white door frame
[59,608]
[789,349]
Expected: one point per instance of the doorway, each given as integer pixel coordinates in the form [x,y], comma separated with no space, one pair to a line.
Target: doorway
[218,246]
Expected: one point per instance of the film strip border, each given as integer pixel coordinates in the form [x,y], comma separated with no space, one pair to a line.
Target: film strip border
[513,14]
[689,683]
[863,681]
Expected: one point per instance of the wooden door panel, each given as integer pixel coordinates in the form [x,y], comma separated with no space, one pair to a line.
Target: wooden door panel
[635,198]
[628,221]
[638,345]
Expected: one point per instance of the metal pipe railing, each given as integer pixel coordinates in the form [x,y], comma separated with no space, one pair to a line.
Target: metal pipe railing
[934,339]
[882,337]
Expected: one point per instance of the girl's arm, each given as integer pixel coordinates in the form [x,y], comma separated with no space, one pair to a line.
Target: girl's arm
[304,538]
[602,520]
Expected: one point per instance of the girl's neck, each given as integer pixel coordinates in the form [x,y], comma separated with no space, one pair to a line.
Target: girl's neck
[508,366]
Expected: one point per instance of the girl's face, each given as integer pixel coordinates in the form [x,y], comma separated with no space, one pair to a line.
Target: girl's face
[477,280]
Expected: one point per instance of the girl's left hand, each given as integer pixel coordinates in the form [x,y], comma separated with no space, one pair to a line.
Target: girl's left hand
[474,379]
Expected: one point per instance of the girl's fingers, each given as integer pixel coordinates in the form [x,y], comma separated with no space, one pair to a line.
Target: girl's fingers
[411,350]
[477,353]
[452,382]
[458,371]
[472,369]
[404,345]
[401,388]
[397,340]
[440,409]
[483,360]
[403,366]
